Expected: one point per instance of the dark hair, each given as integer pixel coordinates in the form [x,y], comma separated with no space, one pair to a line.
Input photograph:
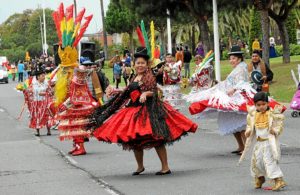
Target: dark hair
[261,96]
[256,52]
[145,58]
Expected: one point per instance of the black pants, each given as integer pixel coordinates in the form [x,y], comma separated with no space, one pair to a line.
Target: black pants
[20,77]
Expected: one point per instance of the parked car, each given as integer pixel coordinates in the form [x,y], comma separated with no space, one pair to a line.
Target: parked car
[3,74]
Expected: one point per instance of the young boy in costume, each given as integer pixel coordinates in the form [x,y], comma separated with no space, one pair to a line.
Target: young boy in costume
[265,125]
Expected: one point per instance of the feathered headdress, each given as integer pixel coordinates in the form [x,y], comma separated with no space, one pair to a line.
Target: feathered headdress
[69,29]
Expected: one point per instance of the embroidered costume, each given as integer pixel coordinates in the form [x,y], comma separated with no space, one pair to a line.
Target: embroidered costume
[73,101]
[171,87]
[74,122]
[37,104]
[266,152]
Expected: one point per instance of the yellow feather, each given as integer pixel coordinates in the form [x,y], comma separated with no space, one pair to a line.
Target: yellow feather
[76,30]
[70,25]
[63,25]
[152,38]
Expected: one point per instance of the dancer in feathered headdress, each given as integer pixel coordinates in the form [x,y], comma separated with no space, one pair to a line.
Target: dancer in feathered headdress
[73,100]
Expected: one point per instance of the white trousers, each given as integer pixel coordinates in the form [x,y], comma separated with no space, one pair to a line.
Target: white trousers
[263,163]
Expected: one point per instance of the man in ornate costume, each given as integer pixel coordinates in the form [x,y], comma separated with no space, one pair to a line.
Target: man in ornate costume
[73,100]
[74,123]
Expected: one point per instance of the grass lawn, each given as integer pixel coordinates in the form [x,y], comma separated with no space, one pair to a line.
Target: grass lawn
[282,88]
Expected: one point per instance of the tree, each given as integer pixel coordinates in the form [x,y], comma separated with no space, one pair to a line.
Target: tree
[255,27]
[280,19]
[119,19]
[21,32]
[263,6]
[291,25]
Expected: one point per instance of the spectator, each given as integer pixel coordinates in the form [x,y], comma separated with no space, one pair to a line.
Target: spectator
[179,54]
[256,45]
[13,71]
[187,57]
[200,50]
[21,68]
[117,70]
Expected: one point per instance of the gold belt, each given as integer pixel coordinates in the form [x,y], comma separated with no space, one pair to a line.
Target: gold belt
[261,139]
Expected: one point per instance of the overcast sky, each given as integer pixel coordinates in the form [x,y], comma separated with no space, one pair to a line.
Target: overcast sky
[9,7]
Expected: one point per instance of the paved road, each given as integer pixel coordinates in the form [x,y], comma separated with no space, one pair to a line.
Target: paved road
[201,163]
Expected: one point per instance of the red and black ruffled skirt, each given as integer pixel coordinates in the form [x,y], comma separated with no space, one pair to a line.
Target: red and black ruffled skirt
[134,132]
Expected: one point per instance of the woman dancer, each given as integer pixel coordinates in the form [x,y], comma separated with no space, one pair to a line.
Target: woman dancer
[143,121]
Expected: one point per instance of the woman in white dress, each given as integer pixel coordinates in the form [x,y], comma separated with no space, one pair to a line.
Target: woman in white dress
[229,97]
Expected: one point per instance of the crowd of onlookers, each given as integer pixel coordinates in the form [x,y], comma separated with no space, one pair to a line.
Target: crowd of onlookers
[21,70]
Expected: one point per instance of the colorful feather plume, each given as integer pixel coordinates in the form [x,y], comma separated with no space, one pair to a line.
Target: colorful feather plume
[152,33]
[207,59]
[145,35]
[140,36]
[68,28]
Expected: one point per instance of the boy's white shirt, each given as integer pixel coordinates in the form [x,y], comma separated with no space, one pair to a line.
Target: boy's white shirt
[276,125]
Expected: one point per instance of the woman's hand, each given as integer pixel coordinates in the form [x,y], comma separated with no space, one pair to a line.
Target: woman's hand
[231,92]
[111,91]
[273,132]
[264,78]
[143,97]
[42,93]
[247,134]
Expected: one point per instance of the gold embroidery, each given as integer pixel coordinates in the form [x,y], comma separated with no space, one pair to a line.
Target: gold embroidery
[261,120]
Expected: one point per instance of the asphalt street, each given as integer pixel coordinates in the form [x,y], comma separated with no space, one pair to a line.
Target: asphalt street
[201,163]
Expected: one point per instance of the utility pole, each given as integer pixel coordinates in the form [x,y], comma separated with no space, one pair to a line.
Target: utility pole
[169,32]
[42,38]
[103,29]
[75,7]
[216,41]
[45,35]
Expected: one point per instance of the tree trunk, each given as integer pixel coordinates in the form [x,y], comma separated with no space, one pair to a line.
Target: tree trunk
[265,23]
[204,34]
[284,36]
[131,42]
[193,39]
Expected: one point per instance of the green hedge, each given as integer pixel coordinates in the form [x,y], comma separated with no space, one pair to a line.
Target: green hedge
[294,49]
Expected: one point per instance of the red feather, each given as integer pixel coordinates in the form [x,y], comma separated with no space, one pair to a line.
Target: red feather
[55,16]
[140,35]
[69,12]
[61,11]
[82,30]
[79,16]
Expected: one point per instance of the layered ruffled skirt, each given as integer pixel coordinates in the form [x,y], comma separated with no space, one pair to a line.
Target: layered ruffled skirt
[134,131]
